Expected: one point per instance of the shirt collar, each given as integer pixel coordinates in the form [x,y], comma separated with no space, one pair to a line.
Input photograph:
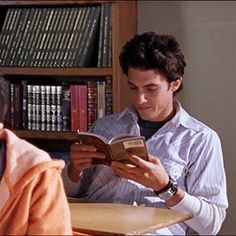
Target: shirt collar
[181,117]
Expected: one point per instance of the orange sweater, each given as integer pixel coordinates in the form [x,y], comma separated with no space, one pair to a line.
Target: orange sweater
[32,197]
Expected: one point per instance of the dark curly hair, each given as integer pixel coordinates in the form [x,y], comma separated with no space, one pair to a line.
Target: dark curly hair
[152,51]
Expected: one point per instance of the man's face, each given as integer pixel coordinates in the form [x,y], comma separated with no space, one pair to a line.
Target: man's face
[151,94]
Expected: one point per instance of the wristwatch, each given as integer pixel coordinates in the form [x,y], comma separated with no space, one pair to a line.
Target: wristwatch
[169,191]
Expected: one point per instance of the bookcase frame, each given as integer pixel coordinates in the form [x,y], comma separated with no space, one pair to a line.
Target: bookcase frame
[124,26]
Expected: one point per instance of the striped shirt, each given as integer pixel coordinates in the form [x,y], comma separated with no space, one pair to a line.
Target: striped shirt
[190,152]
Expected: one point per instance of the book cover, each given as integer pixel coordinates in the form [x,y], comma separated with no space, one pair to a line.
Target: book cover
[116,148]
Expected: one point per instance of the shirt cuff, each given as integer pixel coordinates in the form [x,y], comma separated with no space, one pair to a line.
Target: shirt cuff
[189,204]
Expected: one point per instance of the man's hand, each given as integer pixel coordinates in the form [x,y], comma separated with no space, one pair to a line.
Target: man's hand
[81,157]
[148,173]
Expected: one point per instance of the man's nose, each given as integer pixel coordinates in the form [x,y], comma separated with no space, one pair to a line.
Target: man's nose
[141,98]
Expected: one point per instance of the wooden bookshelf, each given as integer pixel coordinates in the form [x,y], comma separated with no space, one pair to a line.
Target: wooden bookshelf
[124,15]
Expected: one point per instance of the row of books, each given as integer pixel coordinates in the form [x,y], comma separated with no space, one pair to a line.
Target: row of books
[65,107]
[57,36]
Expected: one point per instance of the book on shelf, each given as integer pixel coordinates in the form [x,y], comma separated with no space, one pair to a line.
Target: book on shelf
[106,33]
[108,96]
[83,35]
[55,36]
[73,36]
[7,109]
[16,103]
[79,107]
[24,104]
[100,43]
[101,99]
[116,148]
[87,50]
[66,106]
[92,102]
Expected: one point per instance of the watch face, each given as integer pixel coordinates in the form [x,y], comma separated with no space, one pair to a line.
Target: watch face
[170,192]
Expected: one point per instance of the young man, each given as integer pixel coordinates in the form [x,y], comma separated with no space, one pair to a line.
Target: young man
[185,171]
[32,197]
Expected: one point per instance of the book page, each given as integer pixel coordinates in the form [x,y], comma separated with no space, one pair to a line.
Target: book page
[122,136]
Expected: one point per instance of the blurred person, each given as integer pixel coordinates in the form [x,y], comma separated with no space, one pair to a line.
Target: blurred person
[32,197]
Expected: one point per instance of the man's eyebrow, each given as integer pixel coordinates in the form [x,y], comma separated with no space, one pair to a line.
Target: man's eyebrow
[147,85]
[131,83]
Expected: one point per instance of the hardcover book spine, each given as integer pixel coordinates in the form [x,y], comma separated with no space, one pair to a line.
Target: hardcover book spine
[87,52]
[28,38]
[53,106]
[74,32]
[75,42]
[83,107]
[37,107]
[11,39]
[106,34]
[24,105]
[43,45]
[108,96]
[34,41]
[100,44]
[74,108]
[33,34]
[59,108]
[61,39]
[54,37]
[66,107]
[18,106]
[14,47]
[38,35]
[43,107]
[92,102]
[79,46]
[79,107]
[21,37]
[12,104]
[33,107]
[5,32]
[101,106]
[39,45]
[49,38]
[66,36]
[29,105]
[48,107]
[7,118]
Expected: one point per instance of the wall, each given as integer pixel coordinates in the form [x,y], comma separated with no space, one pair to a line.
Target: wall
[206,31]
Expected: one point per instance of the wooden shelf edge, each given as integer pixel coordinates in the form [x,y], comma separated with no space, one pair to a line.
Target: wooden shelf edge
[56,71]
[49,2]
[57,135]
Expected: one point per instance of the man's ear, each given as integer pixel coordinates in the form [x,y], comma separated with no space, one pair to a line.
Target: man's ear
[174,85]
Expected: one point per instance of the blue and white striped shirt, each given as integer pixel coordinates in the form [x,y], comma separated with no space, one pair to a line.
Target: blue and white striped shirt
[190,152]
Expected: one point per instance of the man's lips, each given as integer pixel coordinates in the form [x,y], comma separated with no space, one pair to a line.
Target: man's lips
[143,108]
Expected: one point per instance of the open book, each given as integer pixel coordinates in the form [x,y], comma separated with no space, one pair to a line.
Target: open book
[115,148]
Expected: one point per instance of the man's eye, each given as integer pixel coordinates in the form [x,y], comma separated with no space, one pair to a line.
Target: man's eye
[152,88]
[132,88]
